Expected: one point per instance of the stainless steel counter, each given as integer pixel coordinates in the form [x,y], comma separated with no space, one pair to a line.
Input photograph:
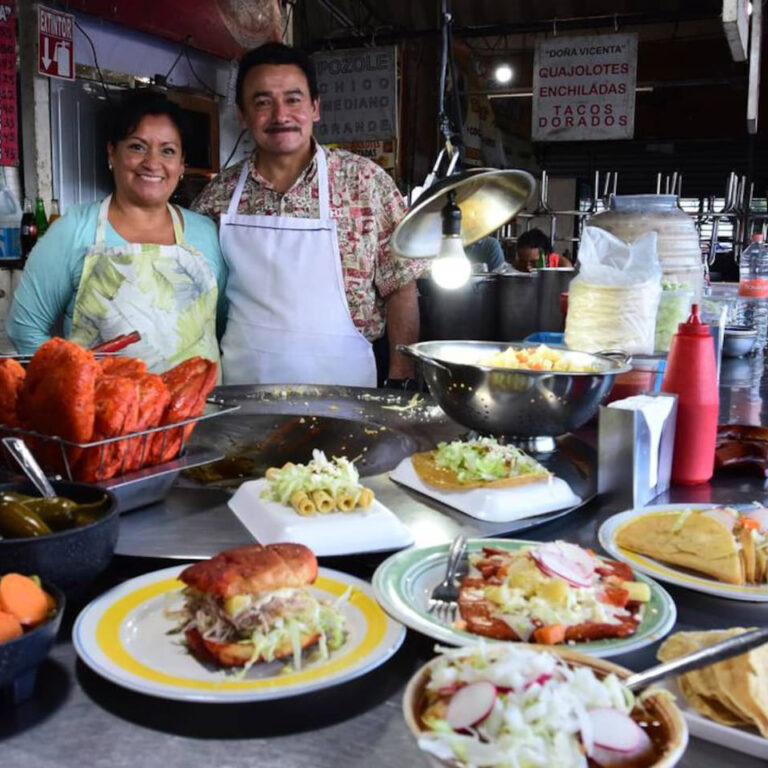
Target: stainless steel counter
[78,719]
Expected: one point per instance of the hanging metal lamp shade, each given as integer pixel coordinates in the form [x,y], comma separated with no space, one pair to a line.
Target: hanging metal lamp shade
[488,199]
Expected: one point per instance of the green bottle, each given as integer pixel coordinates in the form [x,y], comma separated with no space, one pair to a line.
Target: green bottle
[40,218]
[542,263]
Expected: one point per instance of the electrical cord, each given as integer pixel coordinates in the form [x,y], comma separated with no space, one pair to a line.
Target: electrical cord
[234,149]
[175,62]
[197,77]
[95,61]
[289,13]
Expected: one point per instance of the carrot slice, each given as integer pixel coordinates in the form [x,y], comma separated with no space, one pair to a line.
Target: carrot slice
[10,627]
[749,523]
[22,598]
[552,634]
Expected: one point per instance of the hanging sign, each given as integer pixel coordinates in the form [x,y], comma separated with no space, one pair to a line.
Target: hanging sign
[55,56]
[9,127]
[357,95]
[584,88]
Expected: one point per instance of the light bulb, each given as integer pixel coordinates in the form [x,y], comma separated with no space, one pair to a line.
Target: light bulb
[451,267]
[503,73]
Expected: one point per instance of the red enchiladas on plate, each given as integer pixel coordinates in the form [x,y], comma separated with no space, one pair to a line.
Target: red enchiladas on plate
[549,593]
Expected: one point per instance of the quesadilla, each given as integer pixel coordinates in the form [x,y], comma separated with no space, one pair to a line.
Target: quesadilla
[727,544]
[732,692]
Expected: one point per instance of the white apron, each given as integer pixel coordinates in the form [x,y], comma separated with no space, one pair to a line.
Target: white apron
[289,320]
[166,292]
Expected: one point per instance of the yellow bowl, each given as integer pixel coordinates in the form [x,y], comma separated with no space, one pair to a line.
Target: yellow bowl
[661,708]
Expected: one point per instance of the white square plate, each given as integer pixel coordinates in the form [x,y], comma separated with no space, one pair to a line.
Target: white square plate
[495,505]
[337,533]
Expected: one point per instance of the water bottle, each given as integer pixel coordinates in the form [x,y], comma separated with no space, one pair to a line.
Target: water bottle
[691,373]
[753,269]
[10,228]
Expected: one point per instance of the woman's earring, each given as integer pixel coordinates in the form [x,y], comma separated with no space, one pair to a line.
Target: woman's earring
[109,165]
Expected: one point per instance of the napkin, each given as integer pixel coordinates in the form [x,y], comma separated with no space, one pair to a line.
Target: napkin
[337,533]
[655,411]
[495,505]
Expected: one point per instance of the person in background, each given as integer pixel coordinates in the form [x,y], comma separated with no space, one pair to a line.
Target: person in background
[305,232]
[531,245]
[488,251]
[131,261]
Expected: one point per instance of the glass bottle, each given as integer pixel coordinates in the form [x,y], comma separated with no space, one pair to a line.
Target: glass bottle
[54,211]
[40,217]
[28,229]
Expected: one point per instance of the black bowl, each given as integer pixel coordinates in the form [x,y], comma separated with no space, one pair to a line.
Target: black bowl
[20,658]
[70,559]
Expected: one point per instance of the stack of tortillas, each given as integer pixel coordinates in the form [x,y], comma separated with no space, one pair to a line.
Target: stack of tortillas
[731,692]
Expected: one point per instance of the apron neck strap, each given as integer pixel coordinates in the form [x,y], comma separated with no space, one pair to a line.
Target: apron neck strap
[322,185]
[103,218]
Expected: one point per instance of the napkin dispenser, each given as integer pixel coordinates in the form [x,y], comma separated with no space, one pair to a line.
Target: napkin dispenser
[635,457]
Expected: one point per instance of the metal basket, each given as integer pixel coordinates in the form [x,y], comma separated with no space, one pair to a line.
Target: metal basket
[213,408]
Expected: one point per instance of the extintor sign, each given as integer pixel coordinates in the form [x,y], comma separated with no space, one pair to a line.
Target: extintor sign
[56,47]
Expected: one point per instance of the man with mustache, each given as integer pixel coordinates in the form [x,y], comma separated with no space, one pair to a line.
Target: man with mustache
[305,232]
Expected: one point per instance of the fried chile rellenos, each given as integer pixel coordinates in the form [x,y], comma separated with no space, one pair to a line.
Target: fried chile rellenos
[66,392]
[253,604]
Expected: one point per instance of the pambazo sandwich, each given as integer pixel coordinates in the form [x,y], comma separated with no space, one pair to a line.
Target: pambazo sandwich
[254,604]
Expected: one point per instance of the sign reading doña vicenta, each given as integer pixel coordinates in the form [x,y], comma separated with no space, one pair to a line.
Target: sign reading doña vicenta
[584,88]
[357,95]
[56,52]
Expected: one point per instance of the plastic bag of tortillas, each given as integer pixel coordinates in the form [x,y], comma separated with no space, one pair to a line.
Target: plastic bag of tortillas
[612,302]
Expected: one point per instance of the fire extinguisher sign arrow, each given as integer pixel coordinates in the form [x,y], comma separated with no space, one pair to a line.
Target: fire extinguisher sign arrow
[56,47]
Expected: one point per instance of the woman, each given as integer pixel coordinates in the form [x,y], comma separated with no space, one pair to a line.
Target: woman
[530,247]
[131,261]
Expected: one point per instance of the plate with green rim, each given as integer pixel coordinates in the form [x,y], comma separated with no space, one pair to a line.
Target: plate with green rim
[403,583]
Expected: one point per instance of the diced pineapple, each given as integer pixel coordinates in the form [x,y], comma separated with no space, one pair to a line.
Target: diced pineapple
[639,591]
[494,594]
[233,605]
[553,590]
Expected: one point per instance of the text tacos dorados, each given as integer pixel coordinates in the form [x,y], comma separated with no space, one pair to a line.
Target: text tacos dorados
[481,463]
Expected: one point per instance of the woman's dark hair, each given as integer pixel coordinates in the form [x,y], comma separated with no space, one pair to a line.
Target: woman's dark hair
[535,238]
[135,105]
[276,53]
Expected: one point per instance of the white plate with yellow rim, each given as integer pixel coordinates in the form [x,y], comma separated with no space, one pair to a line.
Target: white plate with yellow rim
[673,574]
[123,636]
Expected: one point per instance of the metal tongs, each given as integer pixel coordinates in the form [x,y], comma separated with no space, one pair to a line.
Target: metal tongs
[118,343]
[732,646]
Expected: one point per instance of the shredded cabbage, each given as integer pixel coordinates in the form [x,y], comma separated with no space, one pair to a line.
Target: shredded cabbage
[335,476]
[485,459]
[540,713]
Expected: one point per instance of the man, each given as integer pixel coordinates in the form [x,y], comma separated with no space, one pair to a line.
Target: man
[305,232]
[531,245]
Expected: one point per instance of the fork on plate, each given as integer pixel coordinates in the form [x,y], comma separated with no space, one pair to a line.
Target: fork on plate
[443,602]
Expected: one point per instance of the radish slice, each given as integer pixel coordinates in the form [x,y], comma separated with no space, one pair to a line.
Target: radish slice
[615,731]
[470,705]
[760,514]
[567,561]
[725,516]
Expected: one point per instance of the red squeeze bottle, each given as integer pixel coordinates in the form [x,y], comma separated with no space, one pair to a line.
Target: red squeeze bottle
[691,374]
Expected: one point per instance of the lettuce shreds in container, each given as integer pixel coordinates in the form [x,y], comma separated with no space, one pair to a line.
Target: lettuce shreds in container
[335,476]
[539,716]
[485,459]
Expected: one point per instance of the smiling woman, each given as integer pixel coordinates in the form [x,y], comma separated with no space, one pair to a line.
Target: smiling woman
[131,261]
